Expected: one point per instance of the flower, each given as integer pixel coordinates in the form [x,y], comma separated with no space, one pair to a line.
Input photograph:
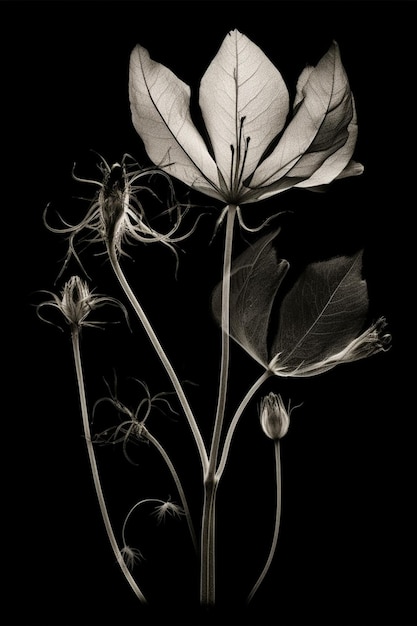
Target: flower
[275,418]
[132,425]
[256,148]
[131,556]
[167,508]
[77,302]
[321,317]
[116,216]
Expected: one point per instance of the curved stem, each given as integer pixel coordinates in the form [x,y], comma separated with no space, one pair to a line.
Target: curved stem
[162,355]
[277,521]
[177,481]
[94,469]
[229,435]
[134,507]
[207,574]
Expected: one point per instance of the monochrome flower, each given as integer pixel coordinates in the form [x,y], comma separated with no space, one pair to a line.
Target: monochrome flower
[256,147]
[168,508]
[77,301]
[116,215]
[274,417]
[131,556]
[321,318]
[131,428]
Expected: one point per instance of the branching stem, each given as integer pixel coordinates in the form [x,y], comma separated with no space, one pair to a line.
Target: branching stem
[207,577]
[229,435]
[177,481]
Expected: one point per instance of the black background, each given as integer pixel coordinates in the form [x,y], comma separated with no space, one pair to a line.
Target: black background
[347,545]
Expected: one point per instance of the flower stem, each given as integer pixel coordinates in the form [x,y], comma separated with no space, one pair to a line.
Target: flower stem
[177,481]
[75,335]
[229,435]
[277,521]
[162,355]
[207,576]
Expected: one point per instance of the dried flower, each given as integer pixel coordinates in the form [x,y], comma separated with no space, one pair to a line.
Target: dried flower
[167,508]
[244,103]
[131,556]
[116,215]
[131,428]
[77,302]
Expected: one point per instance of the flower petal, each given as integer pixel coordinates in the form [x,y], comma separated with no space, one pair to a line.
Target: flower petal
[353,168]
[255,279]
[320,316]
[241,83]
[319,141]
[160,106]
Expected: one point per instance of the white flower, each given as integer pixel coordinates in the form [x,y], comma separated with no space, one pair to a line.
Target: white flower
[258,147]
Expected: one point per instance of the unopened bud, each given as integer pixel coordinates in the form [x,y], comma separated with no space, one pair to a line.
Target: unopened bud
[275,418]
[77,301]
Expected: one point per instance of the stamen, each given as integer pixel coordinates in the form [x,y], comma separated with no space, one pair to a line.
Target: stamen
[238,173]
[244,161]
[232,148]
[239,143]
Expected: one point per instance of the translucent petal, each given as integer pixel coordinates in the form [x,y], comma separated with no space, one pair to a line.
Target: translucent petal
[160,106]
[322,133]
[256,277]
[241,83]
[324,311]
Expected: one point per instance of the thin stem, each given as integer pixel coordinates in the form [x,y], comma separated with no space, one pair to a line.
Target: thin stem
[277,521]
[229,435]
[207,574]
[162,355]
[177,481]
[225,345]
[134,507]
[94,469]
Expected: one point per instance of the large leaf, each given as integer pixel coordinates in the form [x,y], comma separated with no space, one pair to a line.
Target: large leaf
[322,133]
[160,106]
[324,311]
[256,277]
[242,96]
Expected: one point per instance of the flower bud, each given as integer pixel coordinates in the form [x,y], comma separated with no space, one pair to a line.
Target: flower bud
[76,301]
[275,418]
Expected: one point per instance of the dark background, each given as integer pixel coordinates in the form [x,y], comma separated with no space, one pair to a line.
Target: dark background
[347,545]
